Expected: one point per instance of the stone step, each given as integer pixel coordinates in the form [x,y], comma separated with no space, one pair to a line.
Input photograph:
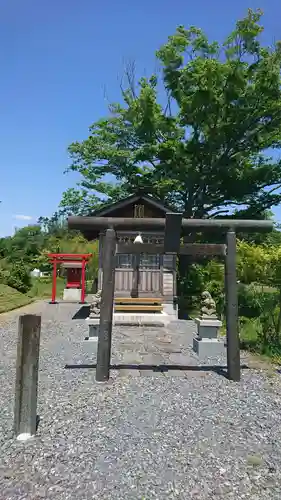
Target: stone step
[138,300]
[138,307]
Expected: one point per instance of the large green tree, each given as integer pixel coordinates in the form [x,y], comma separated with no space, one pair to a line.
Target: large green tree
[208,148]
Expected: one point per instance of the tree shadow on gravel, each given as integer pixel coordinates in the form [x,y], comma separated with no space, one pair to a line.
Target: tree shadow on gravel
[219,370]
[82,313]
[38,419]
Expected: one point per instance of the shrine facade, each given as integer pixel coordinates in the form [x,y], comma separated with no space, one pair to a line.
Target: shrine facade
[140,275]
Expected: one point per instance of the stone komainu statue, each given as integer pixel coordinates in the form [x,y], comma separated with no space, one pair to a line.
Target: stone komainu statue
[208,305]
[95,304]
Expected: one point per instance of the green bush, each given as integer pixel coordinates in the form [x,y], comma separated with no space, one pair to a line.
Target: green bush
[19,277]
[269,338]
[189,289]
[249,331]
[253,300]
[261,334]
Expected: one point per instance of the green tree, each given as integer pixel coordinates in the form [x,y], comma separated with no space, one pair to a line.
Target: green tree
[25,245]
[204,153]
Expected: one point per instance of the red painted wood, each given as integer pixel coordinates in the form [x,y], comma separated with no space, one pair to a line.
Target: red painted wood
[54,287]
[83,282]
[73,256]
[75,276]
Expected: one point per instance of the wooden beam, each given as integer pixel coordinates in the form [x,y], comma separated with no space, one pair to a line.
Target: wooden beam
[87,224]
[172,233]
[203,249]
[192,249]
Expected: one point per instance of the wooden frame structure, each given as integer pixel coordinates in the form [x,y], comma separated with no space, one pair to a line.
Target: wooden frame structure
[71,261]
[175,226]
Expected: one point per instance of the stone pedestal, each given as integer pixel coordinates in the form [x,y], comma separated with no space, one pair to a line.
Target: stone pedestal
[72,294]
[206,343]
[94,325]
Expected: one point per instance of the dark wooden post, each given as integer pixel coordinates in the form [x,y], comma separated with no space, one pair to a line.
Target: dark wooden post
[136,275]
[172,233]
[83,282]
[25,413]
[232,334]
[106,310]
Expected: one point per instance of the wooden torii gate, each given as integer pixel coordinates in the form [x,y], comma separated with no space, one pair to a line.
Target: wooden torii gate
[174,226]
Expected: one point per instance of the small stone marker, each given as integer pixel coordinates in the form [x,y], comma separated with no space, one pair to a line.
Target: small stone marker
[94,326]
[25,412]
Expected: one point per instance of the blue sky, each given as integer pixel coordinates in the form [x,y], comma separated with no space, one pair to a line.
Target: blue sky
[56,60]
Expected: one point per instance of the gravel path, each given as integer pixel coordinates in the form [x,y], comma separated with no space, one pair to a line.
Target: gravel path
[178,434]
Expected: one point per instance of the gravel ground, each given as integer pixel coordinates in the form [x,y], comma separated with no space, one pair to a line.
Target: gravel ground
[181,434]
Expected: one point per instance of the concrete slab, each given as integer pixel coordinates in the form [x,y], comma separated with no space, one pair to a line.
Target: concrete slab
[135,319]
[131,358]
[153,359]
[156,319]
[123,373]
[174,373]
[179,359]
[151,373]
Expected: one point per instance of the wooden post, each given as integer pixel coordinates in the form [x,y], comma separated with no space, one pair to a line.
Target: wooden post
[172,233]
[83,282]
[106,310]
[232,334]
[54,286]
[25,412]
[136,275]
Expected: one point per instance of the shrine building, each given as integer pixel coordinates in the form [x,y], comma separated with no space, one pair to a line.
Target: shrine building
[147,279]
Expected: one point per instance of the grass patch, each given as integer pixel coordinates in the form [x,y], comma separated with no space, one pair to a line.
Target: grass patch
[42,288]
[250,332]
[12,299]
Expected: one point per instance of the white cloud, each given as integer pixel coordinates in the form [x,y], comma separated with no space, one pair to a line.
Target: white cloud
[22,217]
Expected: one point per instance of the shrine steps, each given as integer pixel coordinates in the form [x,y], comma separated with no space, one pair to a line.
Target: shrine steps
[138,307]
[138,304]
[138,300]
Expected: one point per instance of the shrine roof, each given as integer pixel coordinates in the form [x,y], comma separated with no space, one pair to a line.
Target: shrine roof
[133,199]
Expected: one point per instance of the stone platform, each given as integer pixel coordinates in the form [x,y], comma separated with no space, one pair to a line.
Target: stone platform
[207,342]
[132,319]
[72,294]
[206,348]
[144,319]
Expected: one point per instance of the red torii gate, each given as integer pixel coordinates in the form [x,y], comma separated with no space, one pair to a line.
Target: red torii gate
[75,273]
